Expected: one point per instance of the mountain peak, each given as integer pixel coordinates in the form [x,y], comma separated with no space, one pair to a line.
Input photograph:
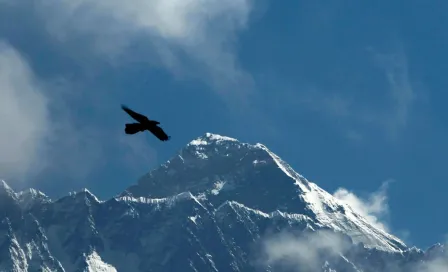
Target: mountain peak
[5,189]
[30,197]
[84,193]
[208,138]
[202,162]
[32,192]
[220,168]
[4,185]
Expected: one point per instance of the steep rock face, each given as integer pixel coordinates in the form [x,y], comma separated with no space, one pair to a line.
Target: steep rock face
[209,208]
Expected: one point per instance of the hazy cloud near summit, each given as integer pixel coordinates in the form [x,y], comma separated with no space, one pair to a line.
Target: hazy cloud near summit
[437,265]
[304,253]
[373,207]
[315,250]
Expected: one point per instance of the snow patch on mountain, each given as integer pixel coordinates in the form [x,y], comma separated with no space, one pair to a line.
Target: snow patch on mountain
[166,200]
[210,137]
[96,264]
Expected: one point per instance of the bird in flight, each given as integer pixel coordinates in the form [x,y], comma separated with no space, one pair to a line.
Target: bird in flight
[144,124]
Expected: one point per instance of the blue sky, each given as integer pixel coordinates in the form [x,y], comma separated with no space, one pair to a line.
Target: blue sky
[350,93]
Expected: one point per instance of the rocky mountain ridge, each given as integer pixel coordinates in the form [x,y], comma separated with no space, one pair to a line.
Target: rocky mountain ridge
[217,205]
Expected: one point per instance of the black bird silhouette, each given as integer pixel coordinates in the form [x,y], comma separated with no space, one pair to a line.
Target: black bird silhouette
[144,124]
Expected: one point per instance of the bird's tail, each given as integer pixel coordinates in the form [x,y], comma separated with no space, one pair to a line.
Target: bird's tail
[134,128]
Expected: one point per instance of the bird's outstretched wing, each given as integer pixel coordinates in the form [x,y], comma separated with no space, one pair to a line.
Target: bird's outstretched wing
[159,133]
[137,116]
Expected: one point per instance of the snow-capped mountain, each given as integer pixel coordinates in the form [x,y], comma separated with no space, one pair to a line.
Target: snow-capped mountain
[217,205]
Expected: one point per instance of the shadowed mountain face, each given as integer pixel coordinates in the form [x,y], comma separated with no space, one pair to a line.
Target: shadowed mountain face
[217,205]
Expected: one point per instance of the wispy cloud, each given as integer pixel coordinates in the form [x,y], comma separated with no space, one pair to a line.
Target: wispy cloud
[306,252]
[24,119]
[33,138]
[436,265]
[315,251]
[374,207]
[190,38]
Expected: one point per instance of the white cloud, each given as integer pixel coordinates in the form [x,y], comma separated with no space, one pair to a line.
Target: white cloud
[201,30]
[303,253]
[33,138]
[437,265]
[182,20]
[41,132]
[314,250]
[374,208]
[23,115]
